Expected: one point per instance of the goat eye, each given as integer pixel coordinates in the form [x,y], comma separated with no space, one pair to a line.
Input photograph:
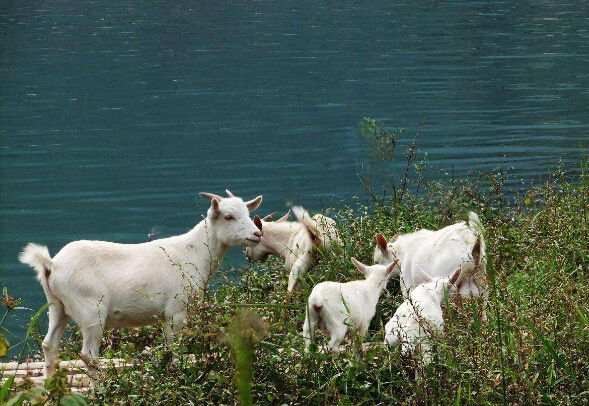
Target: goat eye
[229,217]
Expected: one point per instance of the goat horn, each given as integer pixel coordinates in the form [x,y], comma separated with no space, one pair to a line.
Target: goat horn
[211,196]
[269,216]
[284,218]
[229,193]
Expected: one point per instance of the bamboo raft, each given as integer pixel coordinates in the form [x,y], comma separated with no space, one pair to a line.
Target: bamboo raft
[78,379]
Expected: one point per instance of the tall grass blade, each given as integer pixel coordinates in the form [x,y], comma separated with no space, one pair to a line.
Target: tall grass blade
[547,398]
[549,347]
[459,395]
[6,387]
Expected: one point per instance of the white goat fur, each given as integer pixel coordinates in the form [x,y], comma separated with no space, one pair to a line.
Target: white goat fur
[420,316]
[439,252]
[339,308]
[297,243]
[107,285]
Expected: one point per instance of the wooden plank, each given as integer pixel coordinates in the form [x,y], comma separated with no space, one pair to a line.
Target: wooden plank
[77,379]
[104,362]
[14,365]
[22,372]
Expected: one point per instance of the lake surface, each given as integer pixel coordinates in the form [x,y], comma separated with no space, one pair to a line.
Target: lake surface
[115,114]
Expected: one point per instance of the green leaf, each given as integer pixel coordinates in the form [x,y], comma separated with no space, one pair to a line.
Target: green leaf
[270,347]
[17,400]
[582,394]
[6,387]
[35,320]
[39,390]
[547,398]
[345,304]
[582,316]
[4,345]
[73,400]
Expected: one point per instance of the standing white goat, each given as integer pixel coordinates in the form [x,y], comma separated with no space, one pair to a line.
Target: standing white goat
[339,308]
[420,316]
[103,285]
[441,252]
[297,243]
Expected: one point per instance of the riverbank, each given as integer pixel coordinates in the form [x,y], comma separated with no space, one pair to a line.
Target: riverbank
[534,348]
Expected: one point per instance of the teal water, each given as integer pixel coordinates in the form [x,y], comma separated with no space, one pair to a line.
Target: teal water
[115,114]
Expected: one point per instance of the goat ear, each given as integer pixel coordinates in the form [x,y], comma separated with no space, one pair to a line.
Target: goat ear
[215,207]
[426,277]
[258,222]
[211,196]
[359,265]
[455,276]
[269,217]
[391,266]
[284,218]
[381,242]
[229,193]
[253,204]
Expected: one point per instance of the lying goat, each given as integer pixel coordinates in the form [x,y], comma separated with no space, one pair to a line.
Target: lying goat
[297,243]
[103,285]
[339,308]
[441,252]
[420,316]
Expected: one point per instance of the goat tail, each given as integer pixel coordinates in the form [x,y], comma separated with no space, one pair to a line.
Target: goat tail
[315,303]
[479,249]
[322,228]
[303,216]
[392,340]
[478,253]
[312,318]
[37,256]
[474,222]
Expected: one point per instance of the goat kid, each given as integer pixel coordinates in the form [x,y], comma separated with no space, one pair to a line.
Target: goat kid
[102,285]
[441,252]
[420,316]
[296,242]
[339,308]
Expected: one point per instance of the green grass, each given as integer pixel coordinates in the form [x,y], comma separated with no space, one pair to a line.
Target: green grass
[533,349]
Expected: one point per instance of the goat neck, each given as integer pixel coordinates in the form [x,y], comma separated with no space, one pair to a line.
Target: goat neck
[199,252]
[376,284]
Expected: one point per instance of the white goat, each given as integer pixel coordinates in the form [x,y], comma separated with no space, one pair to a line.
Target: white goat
[420,316]
[339,308]
[103,285]
[297,243]
[441,252]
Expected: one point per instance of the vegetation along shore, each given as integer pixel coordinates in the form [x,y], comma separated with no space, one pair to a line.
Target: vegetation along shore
[245,333]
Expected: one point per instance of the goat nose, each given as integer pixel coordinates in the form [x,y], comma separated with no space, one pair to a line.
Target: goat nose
[258,234]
